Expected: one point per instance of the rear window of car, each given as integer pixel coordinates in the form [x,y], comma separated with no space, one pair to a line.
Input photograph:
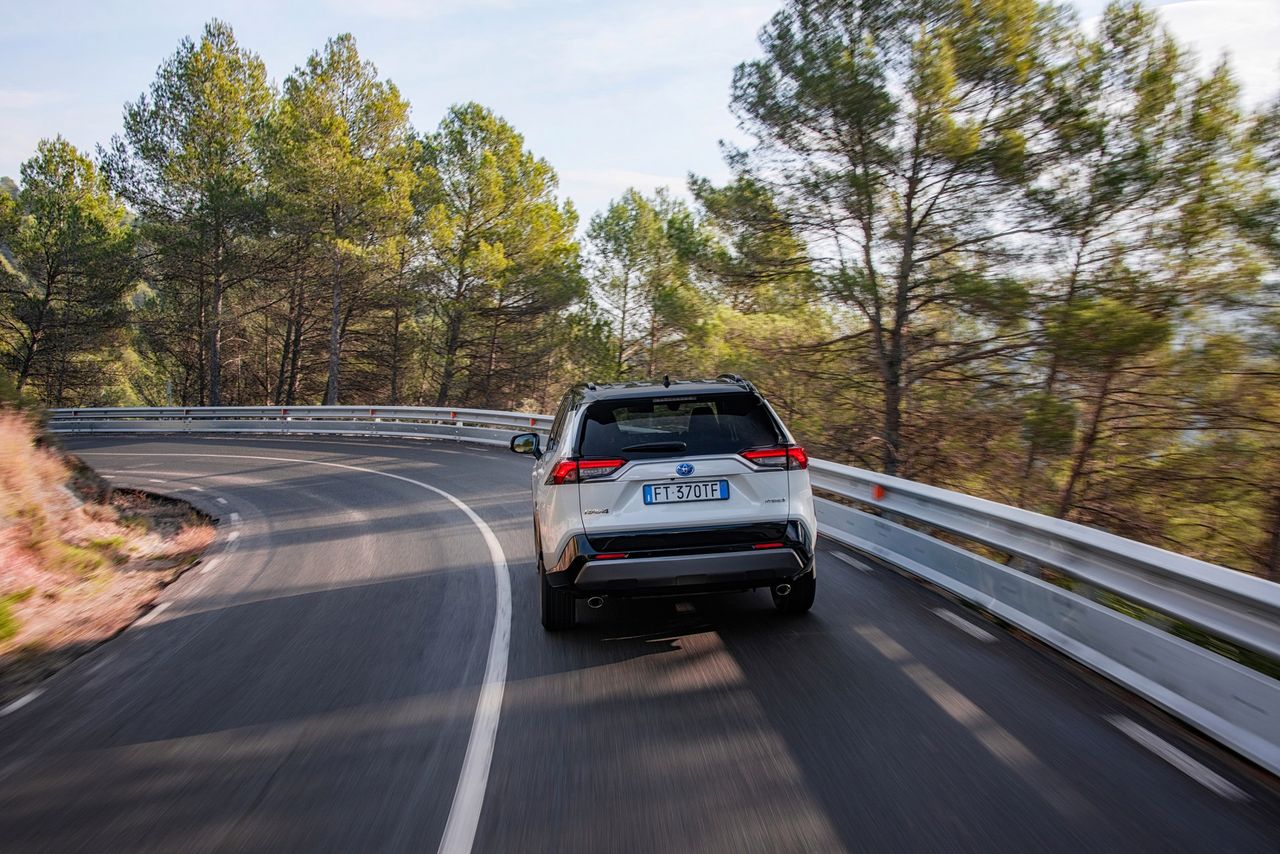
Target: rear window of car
[676,426]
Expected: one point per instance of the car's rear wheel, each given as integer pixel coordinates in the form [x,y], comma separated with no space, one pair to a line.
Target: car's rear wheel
[559,608]
[800,598]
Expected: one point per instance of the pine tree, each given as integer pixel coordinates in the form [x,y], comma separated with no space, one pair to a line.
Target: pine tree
[187,166]
[63,308]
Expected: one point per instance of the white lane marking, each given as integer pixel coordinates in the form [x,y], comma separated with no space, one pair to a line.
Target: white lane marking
[233,536]
[152,614]
[468,797]
[153,480]
[235,518]
[1211,780]
[221,500]
[195,489]
[965,626]
[106,659]
[21,701]
[208,567]
[1002,744]
[853,562]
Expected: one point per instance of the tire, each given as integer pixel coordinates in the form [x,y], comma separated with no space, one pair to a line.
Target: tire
[559,608]
[800,599]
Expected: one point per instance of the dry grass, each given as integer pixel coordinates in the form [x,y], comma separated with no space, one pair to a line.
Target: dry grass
[77,560]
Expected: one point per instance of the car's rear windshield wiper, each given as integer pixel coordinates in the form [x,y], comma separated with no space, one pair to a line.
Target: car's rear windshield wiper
[657,446]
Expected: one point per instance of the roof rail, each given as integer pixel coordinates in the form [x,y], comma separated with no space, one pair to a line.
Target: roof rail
[734,378]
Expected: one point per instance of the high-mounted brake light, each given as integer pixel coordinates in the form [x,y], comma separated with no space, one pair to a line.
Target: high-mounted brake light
[793,457]
[577,471]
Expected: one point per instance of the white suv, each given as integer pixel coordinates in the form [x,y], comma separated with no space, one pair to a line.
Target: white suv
[669,488]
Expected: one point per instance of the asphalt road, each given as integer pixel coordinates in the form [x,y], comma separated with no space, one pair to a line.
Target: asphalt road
[314,686]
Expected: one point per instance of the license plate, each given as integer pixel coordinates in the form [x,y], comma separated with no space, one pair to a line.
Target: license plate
[674,493]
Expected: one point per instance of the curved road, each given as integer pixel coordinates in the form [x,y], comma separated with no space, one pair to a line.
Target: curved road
[316,685]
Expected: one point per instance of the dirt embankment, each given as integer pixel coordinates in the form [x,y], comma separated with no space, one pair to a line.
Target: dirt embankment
[79,560]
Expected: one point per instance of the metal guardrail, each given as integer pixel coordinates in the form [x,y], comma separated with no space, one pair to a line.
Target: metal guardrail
[1235,704]
[482,426]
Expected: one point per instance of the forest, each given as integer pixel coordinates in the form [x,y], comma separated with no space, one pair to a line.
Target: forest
[971,242]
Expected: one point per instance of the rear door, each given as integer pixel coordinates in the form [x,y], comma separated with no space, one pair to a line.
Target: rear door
[681,463]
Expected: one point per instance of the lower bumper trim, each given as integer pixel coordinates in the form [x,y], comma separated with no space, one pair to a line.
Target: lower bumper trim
[727,569]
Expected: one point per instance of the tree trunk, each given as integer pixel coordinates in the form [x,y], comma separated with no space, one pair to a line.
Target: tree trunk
[653,342]
[396,312]
[450,356]
[1087,442]
[622,322]
[215,343]
[202,346]
[335,333]
[895,362]
[1269,566]
[37,333]
[395,353]
[286,345]
[492,362]
[1051,380]
[892,433]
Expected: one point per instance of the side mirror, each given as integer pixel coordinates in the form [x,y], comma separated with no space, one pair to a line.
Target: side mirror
[526,443]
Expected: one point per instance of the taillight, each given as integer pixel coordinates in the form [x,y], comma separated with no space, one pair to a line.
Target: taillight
[793,457]
[577,471]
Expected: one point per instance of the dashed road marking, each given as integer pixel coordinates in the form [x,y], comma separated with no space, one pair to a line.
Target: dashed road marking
[152,614]
[153,480]
[233,536]
[235,518]
[1211,780]
[965,626]
[221,500]
[21,701]
[209,565]
[853,562]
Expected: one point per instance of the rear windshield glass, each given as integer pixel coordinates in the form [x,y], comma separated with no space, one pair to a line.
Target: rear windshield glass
[677,426]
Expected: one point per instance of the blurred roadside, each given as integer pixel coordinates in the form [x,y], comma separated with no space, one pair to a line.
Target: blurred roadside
[79,560]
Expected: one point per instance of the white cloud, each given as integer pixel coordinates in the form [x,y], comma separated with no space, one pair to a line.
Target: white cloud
[593,189]
[22,99]
[1248,31]
[640,40]
[414,10]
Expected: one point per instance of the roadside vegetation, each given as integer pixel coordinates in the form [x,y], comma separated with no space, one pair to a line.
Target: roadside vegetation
[78,560]
[971,242]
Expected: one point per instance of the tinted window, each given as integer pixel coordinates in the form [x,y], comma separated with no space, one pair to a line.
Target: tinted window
[653,427]
[557,424]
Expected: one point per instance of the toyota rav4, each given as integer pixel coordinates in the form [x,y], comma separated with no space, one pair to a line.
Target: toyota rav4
[653,489]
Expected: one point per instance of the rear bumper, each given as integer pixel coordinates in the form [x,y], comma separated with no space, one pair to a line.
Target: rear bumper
[728,570]
[581,569]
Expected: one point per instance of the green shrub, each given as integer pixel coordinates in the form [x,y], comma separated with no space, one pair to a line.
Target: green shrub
[8,622]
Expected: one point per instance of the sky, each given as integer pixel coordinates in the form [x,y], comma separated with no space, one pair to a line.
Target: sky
[613,93]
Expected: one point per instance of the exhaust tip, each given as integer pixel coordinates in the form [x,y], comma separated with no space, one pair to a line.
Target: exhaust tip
[782,589]
[595,602]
